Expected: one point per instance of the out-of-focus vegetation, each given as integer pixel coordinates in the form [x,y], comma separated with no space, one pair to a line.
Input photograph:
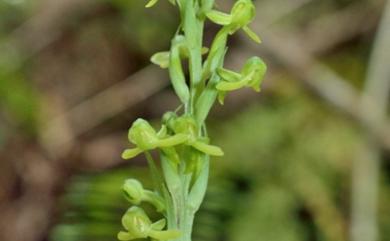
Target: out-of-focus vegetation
[290,152]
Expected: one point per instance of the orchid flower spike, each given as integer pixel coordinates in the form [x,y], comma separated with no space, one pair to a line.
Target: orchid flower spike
[138,225]
[145,138]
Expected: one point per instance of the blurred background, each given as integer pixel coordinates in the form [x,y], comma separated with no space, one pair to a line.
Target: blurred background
[307,159]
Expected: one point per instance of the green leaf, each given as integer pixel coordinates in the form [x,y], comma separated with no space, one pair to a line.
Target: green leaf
[176,70]
[171,176]
[199,188]
[158,181]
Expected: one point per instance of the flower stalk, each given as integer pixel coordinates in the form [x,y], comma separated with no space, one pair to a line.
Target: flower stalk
[182,142]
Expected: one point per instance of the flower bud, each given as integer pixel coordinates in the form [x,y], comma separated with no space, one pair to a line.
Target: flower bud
[143,135]
[135,193]
[161,59]
[255,68]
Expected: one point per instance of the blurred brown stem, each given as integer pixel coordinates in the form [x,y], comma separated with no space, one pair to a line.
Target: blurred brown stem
[366,168]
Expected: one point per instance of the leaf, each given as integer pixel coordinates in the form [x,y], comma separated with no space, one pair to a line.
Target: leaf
[156,176]
[176,71]
[199,188]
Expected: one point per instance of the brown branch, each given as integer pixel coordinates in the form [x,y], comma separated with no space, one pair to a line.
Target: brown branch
[366,168]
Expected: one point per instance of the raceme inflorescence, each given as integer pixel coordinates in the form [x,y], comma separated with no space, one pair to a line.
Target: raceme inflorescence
[182,141]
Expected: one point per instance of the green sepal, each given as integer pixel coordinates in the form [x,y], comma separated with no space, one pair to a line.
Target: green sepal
[229,75]
[136,222]
[230,86]
[161,59]
[221,97]
[159,225]
[131,153]
[219,17]
[142,134]
[172,140]
[207,149]
[243,12]
[251,34]
[125,236]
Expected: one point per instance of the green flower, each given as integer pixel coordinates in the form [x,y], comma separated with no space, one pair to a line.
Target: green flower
[146,138]
[186,125]
[138,225]
[251,76]
[242,13]
[135,193]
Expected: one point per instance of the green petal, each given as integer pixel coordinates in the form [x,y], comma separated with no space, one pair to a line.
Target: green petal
[125,236]
[252,34]
[205,50]
[159,225]
[161,59]
[221,97]
[219,17]
[131,153]
[208,149]
[173,140]
[228,75]
[162,132]
[229,86]
[151,3]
